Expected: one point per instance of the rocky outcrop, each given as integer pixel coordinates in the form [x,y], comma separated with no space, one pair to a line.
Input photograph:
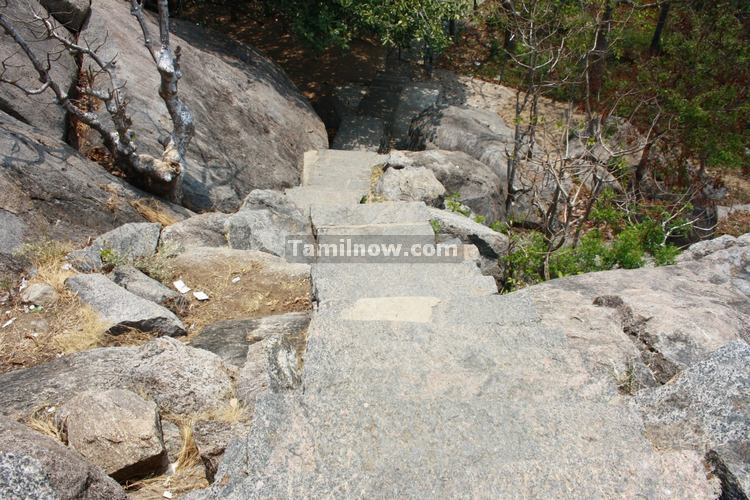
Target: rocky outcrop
[40,110]
[48,465]
[264,222]
[126,243]
[50,191]
[410,184]
[122,310]
[181,380]
[252,125]
[707,408]
[115,429]
[135,282]
[230,339]
[477,186]
[70,13]
[489,242]
[204,230]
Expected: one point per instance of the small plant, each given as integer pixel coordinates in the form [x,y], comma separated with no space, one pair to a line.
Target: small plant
[480,219]
[436,227]
[159,265]
[453,203]
[110,258]
[627,382]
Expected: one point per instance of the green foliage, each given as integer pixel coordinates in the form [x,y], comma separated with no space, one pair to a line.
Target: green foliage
[436,227]
[110,258]
[397,23]
[453,204]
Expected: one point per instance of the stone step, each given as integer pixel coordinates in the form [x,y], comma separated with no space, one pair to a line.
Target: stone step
[311,445]
[307,196]
[370,214]
[349,282]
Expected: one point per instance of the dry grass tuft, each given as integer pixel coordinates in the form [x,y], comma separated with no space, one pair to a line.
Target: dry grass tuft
[78,328]
[233,412]
[375,175]
[153,211]
[160,266]
[48,257]
[43,421]
[189,473]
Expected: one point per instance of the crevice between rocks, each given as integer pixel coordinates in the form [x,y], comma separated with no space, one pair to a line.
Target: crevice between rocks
[634,326]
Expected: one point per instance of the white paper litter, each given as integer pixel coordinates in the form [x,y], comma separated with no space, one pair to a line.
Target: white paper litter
[167,494]
[8,323]
[236,280]
[200,295]
[66,267]
[181,287]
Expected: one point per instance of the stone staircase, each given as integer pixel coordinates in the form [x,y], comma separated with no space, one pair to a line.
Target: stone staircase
[421,381]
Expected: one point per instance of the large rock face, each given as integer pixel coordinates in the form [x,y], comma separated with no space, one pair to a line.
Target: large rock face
[37,110]
[252,125]
[68,475]
[50,191]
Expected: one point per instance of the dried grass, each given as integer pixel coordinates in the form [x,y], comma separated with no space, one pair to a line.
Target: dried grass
[48,258]
[153,211]
[736,224]
[189,473]
[77,327]
[43,421]
[375,175]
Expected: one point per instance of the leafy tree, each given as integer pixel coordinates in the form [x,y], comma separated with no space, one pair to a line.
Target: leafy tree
[397,23]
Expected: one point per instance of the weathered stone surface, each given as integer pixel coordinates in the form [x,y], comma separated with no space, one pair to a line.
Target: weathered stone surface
[67,473]
[38,110]
[266,124]
[230,339]
[117,430]
[490,243]
[707,408]
[477,185]
[410,184]
[50,190]
[180,379]
[227,339]
[272,364]
[265,230]
[125,243]
[70,13]
[212,437]
[360,133]
[40,294]
[483,135]
[203,230]
[270,270]
[172,438]
[275,201]
[23,477]
[260,230]
[135,282]
[122,309]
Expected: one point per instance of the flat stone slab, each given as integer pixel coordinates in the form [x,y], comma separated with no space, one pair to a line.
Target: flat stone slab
[122,309]
[370,214]
[344,281]
[409,309]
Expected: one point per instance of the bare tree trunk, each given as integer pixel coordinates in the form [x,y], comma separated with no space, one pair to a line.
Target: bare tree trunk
[660,25]
[162,175]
